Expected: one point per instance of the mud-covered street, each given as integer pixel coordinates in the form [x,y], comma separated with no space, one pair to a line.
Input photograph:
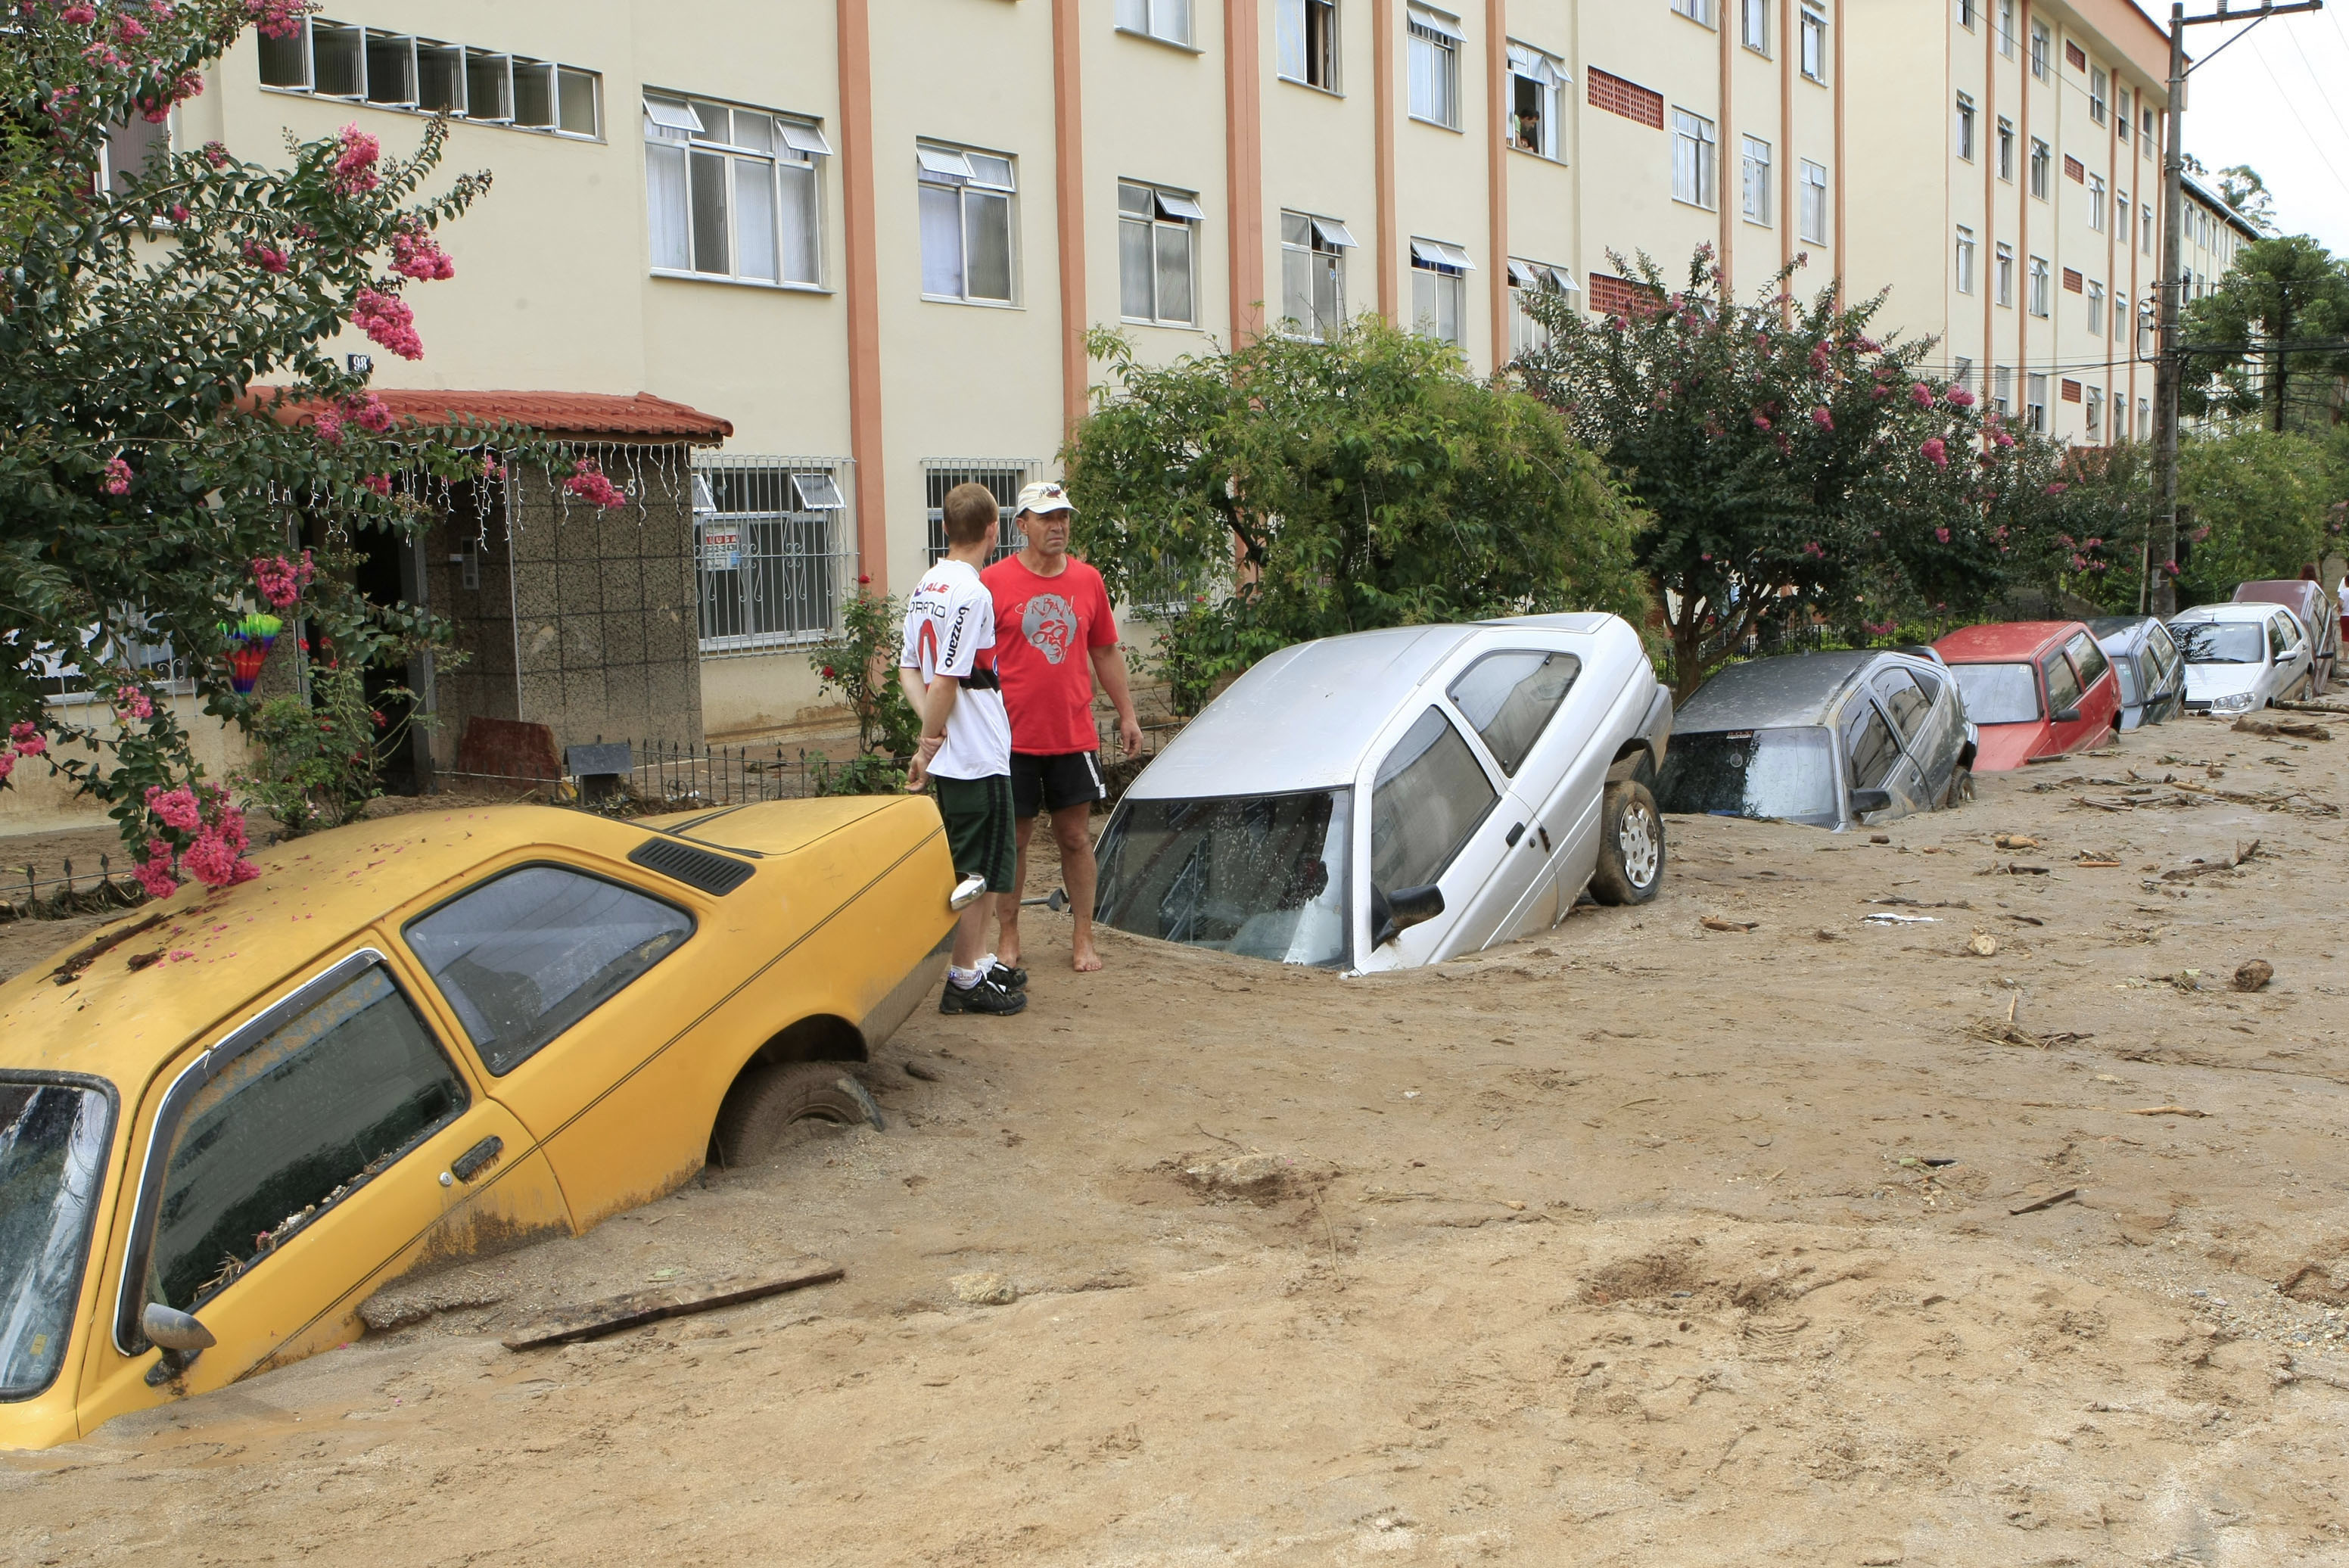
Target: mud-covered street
[2006,1232]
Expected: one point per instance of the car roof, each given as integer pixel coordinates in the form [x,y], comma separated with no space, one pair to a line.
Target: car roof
[2123,632]
[1998,642]
[1319,705]
[214,955]
[1776,692]
[2253,610]
[2292,592]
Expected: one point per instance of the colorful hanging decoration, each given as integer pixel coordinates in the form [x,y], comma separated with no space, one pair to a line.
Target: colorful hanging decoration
[249,642]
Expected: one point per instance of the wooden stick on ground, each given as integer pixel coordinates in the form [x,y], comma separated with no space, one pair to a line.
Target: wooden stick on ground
[614,1314]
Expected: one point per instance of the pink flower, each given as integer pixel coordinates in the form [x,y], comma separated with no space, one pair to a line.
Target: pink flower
[1822,419]
[373,414]
[78,15]
[1960,398]
[1942,534]
[386,319]
[7,763]
[1937,452]
[132,702]
[1922,395]
[177,808]
[1821,358]
[1884,373]
[2058,488]
[128,30]
[117,477]
[268,258]
[2004,440]
[355,173]
[179,213]
[276,18]
[216,154]
[282,580]
[416,254]
[153,870]
[215,859]
[1761,421]
[102,54]
[1813,549]
[378,483]
[329,426]
[492,468]
[587,481]
[1880,392]
[28,738]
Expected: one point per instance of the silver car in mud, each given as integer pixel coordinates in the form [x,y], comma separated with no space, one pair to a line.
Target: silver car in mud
[1396,797]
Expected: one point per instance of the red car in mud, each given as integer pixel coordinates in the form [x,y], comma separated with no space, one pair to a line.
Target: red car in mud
[2032,688]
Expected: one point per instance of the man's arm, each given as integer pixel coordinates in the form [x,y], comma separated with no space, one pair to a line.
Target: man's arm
[1109,668]
[935,704]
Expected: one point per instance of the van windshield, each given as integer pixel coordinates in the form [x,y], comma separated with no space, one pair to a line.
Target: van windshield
[1787,773]
[51,1152]
[1263,876]
[1998,693]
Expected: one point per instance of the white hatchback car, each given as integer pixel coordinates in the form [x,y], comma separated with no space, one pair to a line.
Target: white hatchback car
[1395,798]
[2239,657]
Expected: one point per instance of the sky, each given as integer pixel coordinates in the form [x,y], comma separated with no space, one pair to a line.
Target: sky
[2262,102]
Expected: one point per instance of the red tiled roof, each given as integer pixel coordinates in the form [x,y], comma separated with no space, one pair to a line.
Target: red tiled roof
[606,415]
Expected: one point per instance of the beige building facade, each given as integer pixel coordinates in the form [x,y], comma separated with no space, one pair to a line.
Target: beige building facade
[872,234]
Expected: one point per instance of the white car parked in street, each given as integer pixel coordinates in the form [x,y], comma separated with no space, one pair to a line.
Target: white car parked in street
[2240,658]
[1396,797]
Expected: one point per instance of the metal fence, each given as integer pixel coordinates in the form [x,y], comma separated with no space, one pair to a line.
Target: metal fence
[31,897]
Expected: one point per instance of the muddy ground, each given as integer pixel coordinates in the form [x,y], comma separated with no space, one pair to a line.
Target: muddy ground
[1645,1242]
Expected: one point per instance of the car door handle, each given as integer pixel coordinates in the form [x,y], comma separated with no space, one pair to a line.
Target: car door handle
[1516,833]
[471,1163]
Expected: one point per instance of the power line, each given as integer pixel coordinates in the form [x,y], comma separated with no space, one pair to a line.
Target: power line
[2321,161]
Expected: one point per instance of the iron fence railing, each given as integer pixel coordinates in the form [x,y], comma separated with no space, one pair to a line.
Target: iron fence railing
[27,896]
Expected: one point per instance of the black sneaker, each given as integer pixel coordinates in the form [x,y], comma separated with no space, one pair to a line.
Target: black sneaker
[1009,976]
[986,996]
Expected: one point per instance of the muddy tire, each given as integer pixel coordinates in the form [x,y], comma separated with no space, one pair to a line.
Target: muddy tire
[767,1101]
[1962,789]
[1631,846]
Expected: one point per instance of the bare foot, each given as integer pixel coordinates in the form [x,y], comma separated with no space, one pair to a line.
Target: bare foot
[1086,959]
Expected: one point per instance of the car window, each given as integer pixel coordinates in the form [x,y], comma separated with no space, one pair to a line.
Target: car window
[2219,642]
[1998,693]
[1904,699]
[2275,637]
[2088,658]
[1509,697]
[1868,745]
[528,954]
[1430,795]
[53,1140]
[2126,668]
[283,1130]
[2062,686]
[2164,649]
[2288,626]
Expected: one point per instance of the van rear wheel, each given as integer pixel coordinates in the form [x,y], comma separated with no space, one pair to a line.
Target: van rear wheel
[767,1102]
[1631,845]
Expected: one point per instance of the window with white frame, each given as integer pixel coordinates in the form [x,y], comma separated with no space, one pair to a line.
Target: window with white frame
[1694,152]
[1529,281]
[1966,15]
[2034,402]
[1439,290]
[2041,160]
[2097,308]
[2096,202]
[1003,479]
[2093,415]
[1962,373]
[2003,279]
[966,230]
[2041,44]
[2006,148]
[2006,28]
[1813,195]
[1306,32]
[2146,141]
[1313,274]
[2041,286]
[2145,418]
[1753,25]
[2122,98]
[2001,390]
[1695,10]
[1537,95]
[2096,90]
[1757,186]
[2121,211]
[127,147]
[1169,20]
[1157,252]
[733,192]
[426,76]
[1966,126]
[773,549]
[1965,259]
[1814,51]
[1435,40]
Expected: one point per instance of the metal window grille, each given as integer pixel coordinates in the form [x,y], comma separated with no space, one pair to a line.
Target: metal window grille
[775,550]
[1004,478]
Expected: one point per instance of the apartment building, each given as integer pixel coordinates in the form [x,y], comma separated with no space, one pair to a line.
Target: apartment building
[873,236]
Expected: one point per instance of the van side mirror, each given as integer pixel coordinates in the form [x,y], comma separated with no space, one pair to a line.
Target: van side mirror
[1394,913]
[2065,715]
[1866,800]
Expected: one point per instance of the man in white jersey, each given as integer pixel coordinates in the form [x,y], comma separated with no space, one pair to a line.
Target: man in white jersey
[947,666]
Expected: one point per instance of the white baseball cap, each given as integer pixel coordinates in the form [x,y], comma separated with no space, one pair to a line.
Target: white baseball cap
[1045,495]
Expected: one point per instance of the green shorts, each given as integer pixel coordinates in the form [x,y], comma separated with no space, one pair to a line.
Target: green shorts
[979,828]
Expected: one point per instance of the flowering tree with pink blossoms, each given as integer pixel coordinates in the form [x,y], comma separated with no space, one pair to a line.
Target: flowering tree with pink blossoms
[1793,467]
[150,476]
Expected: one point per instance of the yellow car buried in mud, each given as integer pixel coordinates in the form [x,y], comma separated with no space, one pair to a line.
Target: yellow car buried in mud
[228,1120]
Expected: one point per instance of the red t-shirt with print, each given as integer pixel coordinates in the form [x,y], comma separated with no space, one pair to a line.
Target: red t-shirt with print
[1045,631]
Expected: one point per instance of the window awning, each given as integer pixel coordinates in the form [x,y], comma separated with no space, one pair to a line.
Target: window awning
[1330,231]
[1538,275]
[1437,253]
[942,162]
[671,115]
[818,492]
[1535,65]
[1437,22]
[804,139]
[1181,208]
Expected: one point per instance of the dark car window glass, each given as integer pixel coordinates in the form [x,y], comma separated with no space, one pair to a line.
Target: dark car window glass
[1263,876]
[1430,793]
[2284,635]
[2089,659]
[2062,686]
[1904,699]
[1786,773]
[527,954]
[1870,752]
[1508,698]
[1998,693]
[2164,649]
[327,1100]
[53,1142]
[2126,668]
[2220,642]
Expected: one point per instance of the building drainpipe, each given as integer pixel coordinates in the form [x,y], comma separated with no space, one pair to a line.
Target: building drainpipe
[1789,193]
[1382,70]
[1729,139]
[1243,169]
[2024,198]
[862,289]
[1842,158]
[1986,250]
[1069,200]
[1497,158]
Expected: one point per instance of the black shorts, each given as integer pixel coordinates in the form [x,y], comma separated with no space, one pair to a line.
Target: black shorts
[978,814]
[1068,779]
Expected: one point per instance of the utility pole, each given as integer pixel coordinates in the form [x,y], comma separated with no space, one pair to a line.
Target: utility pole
[2170,365]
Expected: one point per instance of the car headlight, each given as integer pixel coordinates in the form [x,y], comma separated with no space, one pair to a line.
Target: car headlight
[2239,702]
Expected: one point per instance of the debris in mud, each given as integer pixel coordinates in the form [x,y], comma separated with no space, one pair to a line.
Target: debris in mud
[2297,728]
[1900,920]
[2254,974]
[2012,869]
[1999,1032]
[1982,944]
[2198,867]
[611,1315]
[1895,899]
[1643,1279]
[983,1289]
[917,1070]
[2066,1195]
[1714,923]
[413,1301]
[2167,1110]
[2014,841]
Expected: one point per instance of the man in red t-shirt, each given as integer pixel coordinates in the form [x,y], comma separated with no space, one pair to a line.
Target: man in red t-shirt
[1054,634]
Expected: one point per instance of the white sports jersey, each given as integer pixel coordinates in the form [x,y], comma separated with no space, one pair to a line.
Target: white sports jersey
[950,630]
